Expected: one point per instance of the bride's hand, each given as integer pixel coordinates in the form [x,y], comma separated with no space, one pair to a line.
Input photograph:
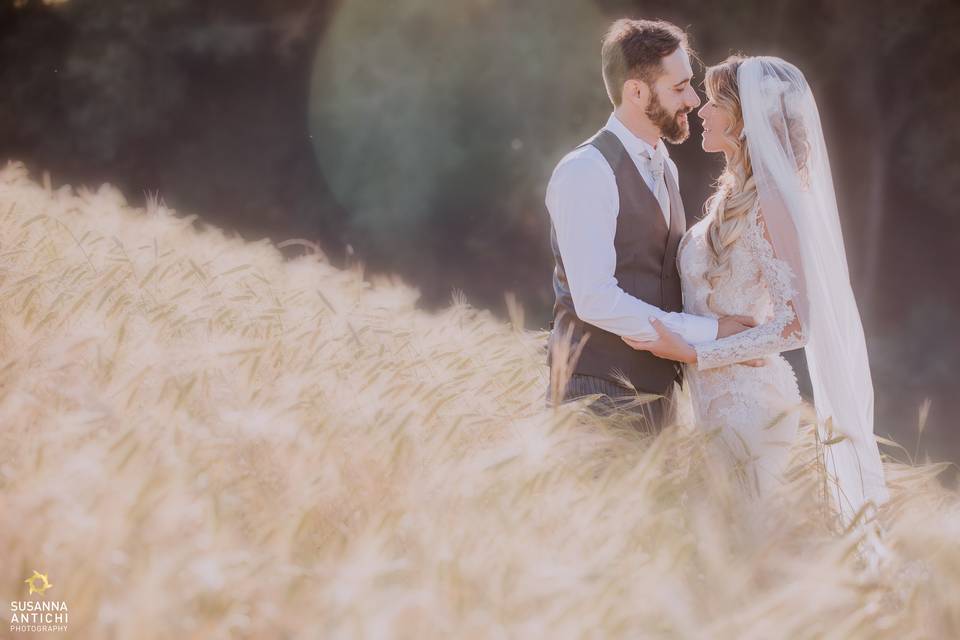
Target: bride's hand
[668,344]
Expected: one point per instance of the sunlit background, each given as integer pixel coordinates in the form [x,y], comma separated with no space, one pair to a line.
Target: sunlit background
[417,137]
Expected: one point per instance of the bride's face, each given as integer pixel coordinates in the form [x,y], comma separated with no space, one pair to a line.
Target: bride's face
[716,121]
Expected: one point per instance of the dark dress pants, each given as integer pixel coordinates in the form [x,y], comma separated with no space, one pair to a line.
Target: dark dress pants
[651,416]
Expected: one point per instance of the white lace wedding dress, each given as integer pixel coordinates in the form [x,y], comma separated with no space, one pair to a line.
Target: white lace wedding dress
[789,271]
[753,408]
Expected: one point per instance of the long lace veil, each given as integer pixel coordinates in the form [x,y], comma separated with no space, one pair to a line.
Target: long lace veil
[795,188]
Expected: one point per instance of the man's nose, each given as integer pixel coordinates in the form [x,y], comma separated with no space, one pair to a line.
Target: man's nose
[694,100]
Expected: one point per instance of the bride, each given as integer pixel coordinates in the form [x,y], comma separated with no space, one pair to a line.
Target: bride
[770,246]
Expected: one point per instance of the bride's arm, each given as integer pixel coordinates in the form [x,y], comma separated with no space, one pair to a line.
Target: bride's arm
[782,332]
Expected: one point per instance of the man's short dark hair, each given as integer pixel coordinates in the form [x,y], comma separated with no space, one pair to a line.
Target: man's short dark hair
[634,50]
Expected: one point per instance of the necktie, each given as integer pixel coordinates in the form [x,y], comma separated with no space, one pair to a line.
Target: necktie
[656,162]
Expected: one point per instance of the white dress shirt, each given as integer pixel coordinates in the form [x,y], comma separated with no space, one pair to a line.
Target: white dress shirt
[583,202]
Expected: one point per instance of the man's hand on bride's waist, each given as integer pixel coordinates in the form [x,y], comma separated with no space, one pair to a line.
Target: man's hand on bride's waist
[668,344]
[730,325]
[672,346]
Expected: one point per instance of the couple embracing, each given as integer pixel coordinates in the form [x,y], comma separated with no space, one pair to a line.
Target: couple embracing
[642,303]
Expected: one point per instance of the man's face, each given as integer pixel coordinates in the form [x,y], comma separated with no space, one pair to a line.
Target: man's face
[672,97]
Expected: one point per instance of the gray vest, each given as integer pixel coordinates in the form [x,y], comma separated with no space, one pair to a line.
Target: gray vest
[646,268]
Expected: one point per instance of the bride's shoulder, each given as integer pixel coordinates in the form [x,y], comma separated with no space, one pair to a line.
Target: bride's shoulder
[701,222]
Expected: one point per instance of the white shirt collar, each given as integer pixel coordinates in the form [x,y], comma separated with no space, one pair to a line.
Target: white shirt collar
[632,143]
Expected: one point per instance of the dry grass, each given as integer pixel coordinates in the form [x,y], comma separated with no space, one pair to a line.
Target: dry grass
[201,440]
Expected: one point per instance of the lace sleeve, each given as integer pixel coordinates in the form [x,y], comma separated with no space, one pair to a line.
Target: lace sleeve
[781,332]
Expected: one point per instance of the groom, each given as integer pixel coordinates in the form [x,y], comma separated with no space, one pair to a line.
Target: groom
[616,220]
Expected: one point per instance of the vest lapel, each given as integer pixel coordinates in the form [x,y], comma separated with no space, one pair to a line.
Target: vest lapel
[678,221]
[616,154]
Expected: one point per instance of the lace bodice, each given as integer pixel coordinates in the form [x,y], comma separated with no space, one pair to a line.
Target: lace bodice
[759,285]
[751,407]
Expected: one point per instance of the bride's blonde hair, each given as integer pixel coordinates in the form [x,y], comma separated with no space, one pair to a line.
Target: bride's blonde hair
[736,189]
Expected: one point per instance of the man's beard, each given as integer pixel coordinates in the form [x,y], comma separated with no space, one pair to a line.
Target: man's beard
[673,127]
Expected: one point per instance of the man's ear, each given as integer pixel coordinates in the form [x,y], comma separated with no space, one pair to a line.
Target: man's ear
[636,92]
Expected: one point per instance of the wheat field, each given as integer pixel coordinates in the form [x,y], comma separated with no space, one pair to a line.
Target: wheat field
[201,439]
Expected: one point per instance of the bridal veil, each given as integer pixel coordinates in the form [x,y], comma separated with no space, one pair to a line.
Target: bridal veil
[795,188]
